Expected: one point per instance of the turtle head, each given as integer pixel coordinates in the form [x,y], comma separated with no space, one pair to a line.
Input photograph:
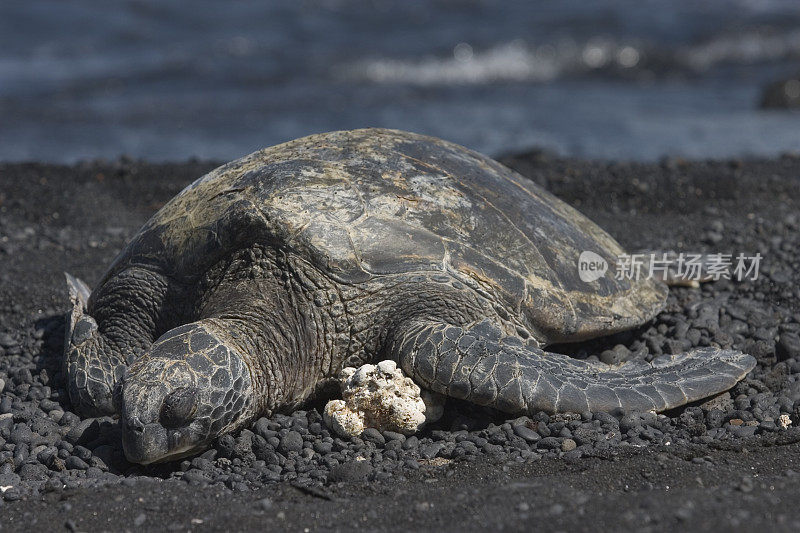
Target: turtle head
[189,388]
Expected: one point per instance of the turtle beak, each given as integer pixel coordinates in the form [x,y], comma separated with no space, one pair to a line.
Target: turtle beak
[152,443]
[147,437]
[144,439]
[143,443]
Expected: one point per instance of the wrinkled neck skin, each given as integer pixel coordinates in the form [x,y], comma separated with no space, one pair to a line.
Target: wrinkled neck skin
[279,333]
[133,307]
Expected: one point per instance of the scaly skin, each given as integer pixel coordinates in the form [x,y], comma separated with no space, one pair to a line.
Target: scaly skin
[480,365]
[189,387]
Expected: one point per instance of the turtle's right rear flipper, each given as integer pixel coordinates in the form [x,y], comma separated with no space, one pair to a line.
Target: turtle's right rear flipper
[478,365]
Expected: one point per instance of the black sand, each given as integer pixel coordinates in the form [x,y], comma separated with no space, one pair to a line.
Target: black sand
[725,465]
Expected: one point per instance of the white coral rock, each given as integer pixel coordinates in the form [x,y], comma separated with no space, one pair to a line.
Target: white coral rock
[381,397]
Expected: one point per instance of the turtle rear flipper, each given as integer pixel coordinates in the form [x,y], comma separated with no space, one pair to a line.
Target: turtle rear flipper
[478,365]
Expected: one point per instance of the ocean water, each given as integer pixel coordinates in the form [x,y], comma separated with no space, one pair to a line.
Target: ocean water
[168,80]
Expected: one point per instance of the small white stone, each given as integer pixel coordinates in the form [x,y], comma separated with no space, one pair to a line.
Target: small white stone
[4,488]
[342,419]
[784,421]
[387,367]
[2,384]
[381,397]
[362,374]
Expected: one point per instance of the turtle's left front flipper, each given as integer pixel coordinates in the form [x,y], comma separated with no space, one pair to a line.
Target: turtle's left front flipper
[477,364]
[106,331]
[91,364]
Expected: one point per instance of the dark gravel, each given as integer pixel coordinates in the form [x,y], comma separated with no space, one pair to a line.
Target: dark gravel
[56,218]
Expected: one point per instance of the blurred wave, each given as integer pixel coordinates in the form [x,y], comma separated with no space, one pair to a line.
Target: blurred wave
[755,46]
[518,61]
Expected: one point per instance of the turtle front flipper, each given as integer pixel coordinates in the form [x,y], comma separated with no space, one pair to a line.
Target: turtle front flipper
[481,366]
[92,367]
[106,331]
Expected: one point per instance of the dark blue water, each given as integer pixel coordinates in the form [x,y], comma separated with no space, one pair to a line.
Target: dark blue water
[617,79]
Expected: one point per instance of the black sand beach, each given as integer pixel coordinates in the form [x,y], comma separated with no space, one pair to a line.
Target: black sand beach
[722,465]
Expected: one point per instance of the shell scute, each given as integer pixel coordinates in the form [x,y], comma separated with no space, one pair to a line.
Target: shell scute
[391,246]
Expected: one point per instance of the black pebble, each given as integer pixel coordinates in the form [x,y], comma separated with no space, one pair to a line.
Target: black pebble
[291,442]
[350,471]
[75,463]
[788,346]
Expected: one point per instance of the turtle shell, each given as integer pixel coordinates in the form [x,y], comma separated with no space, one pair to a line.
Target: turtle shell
[373,202]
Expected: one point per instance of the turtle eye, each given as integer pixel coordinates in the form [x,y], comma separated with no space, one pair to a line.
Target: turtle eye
[178,407]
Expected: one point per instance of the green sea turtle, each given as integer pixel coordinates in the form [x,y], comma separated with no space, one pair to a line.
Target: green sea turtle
[251,289]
